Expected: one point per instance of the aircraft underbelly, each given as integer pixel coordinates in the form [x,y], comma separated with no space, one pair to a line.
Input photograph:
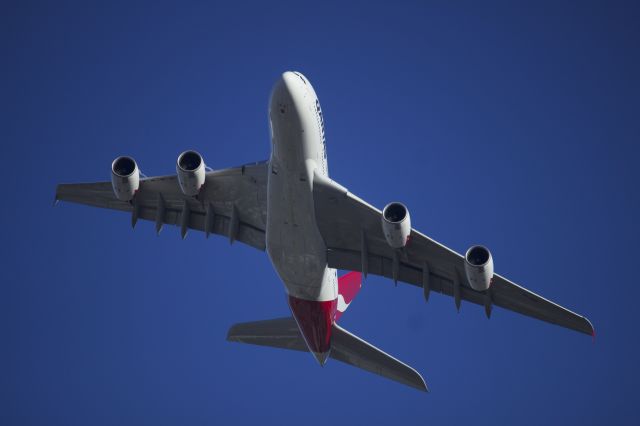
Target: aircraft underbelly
[294,243]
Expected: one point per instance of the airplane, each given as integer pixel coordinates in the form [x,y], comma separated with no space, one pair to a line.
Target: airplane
[311,226]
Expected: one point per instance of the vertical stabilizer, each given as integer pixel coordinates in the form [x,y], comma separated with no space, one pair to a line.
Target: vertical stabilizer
[348,287]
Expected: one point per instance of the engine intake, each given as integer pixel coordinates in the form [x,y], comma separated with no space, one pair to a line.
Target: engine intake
[125,178]
[478,266]
[191,172]
[396,224]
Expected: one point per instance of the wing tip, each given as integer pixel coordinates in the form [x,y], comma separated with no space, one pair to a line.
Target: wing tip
[62,193]
[232,335]
[590,329]
[422,386]
[418,383]
[56,197]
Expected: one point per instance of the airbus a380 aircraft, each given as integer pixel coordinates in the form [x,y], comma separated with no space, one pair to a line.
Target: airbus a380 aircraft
[311,226]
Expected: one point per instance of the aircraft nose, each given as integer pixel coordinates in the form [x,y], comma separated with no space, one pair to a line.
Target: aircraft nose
[290,83]
[293,77]
[288,75]
[283,90]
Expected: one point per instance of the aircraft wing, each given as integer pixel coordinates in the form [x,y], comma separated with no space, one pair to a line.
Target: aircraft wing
[232,202]
[352,231]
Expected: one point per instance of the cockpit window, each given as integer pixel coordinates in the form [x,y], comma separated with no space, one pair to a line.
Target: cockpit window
[301,77]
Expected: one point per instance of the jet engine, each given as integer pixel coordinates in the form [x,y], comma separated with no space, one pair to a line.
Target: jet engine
[125,178]
[478,266]
[191,172]
[396,224]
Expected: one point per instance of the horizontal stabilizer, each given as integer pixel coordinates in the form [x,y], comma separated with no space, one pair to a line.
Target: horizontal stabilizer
[345,347]
[353,350]
[278,333]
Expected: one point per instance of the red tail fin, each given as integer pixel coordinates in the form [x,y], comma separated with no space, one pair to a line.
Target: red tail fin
[348,286]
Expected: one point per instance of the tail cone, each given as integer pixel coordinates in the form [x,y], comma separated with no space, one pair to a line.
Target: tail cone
[321,357]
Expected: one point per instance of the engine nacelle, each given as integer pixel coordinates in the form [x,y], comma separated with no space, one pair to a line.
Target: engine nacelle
[396,224]
[478,266]
[125,178]
[191,172]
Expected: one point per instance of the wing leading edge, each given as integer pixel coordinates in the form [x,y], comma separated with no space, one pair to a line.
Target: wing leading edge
[353,235]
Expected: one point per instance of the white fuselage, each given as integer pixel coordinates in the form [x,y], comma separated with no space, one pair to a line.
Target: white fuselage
[294,244]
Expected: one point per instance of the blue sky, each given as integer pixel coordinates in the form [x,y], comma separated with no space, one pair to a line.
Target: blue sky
[511,125]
